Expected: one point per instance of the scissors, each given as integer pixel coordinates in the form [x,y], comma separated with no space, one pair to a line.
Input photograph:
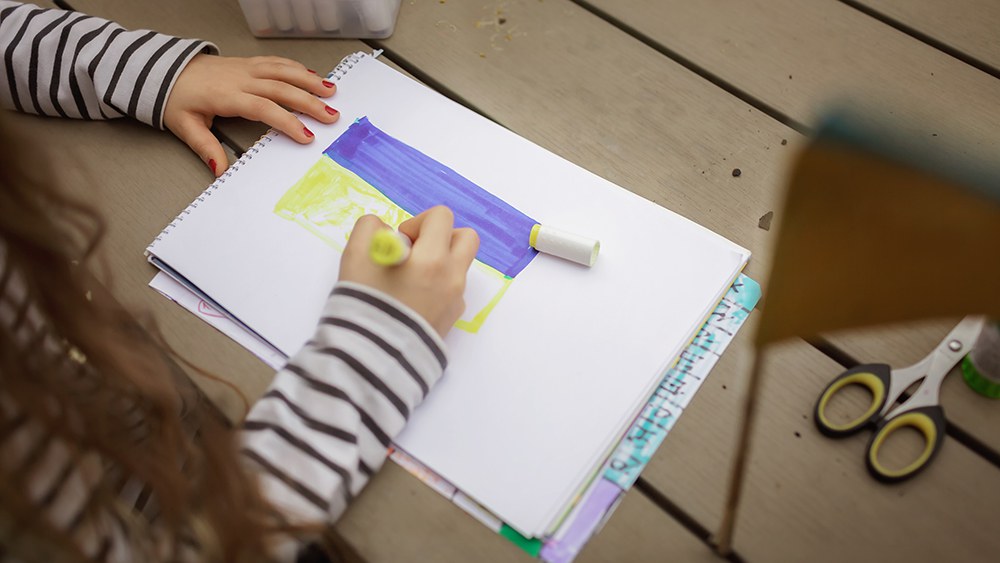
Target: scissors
[921,410]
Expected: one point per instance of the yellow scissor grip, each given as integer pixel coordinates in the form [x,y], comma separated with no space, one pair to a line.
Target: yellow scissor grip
[865,379]
[921,422]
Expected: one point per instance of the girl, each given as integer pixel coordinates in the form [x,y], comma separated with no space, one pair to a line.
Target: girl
[106,452]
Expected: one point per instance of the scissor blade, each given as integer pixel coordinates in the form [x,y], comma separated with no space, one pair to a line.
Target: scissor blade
[933,368]
[955,346]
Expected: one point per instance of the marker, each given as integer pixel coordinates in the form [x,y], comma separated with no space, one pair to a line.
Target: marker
[328,15]
[389,247]
[377,15]
[303,11]
[257,16]
[574,248]
[281,11]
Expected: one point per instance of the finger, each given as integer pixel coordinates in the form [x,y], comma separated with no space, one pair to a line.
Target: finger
[411,227]
[262,109]
[193,130]
[296,75]
[294,98]
[357,250]
[271,59]
[361,235]
[430,229]
[464,246]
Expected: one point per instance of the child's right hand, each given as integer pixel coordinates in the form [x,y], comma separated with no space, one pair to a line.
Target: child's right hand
[432,280]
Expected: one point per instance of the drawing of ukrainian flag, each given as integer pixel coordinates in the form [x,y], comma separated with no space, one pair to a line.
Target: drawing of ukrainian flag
[366,171]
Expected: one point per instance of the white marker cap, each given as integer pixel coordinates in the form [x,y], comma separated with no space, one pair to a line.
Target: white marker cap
[328,14]
[257,15]
[377,14]
[303,10]
[572,247]
[281,12]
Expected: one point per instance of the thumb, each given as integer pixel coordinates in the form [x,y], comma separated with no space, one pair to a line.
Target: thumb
[192,129]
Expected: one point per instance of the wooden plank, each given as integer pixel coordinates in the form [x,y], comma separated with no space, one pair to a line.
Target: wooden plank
[640,531]
[397,515]
[968,26]
[799,56]
[809,498]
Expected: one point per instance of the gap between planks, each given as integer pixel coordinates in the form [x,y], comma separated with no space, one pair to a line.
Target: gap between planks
[742,95]
[924,38]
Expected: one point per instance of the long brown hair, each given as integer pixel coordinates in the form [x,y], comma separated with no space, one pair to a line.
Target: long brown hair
[79,366]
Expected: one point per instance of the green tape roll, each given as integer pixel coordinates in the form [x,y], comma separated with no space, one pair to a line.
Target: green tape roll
[978,382]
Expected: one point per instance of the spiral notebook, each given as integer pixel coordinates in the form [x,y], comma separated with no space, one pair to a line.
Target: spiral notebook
[551,361]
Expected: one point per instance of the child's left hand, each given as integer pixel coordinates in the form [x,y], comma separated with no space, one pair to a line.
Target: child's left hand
[257,88]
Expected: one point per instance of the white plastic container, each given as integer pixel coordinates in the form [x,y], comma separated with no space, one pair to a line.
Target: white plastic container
[360,19]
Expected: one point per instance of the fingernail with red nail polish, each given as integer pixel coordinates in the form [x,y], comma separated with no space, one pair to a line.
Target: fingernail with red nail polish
[331,111]
[211,164]
[308,132]
[328,84]
[311,70]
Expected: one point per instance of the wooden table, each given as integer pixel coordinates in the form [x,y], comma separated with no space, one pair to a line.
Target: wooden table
[665,98]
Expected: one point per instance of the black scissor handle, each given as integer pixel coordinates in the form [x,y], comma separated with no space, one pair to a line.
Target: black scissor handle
[929,421]
[875,378]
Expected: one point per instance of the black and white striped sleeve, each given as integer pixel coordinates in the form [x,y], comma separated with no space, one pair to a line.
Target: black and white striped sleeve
[68,64]
[323,427]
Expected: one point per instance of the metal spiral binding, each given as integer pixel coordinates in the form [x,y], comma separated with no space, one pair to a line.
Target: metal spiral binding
[346,64]
[246,157]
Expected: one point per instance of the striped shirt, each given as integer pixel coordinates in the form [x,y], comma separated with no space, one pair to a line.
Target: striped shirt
[68,64]
[322,428]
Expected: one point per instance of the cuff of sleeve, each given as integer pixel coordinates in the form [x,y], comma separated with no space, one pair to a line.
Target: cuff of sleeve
[187,50]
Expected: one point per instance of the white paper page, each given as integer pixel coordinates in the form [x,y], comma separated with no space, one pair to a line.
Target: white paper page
[530,403]
[179,294]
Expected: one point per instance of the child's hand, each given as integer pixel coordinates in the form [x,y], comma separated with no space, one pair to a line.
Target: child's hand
[257,88]
[432,280]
